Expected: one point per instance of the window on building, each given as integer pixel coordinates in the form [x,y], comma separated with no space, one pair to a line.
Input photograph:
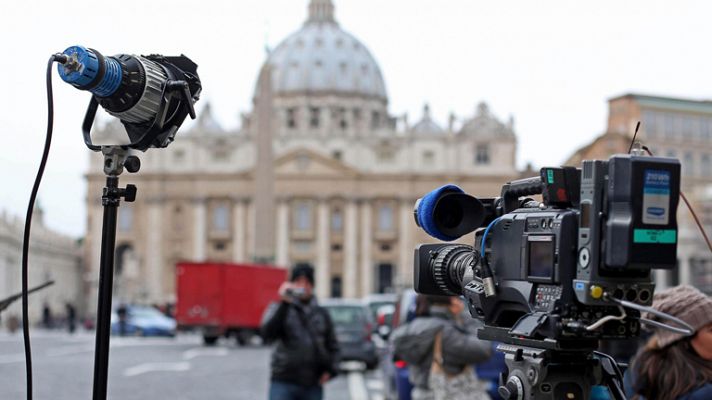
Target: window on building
[221,218]
[706,127]
[705,165]
[303,216]
[337,220]
[125,218]
[669,125]
[385,278]
[375,119]
[179,155]
[341,115]
[688,165]
[482,154]
[385,218]
[357,114]
[386,155]
[428,157]
[314,117]
[688,127]
[649,125]
[220,246]
[291,118]
[337,155]
[336,287]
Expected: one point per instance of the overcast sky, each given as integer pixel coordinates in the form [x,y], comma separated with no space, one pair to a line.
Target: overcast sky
[551,64]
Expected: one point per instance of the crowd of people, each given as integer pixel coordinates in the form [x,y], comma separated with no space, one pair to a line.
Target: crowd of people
[440,345]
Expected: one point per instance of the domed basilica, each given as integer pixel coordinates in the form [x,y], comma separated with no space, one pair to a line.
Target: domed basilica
[319,172]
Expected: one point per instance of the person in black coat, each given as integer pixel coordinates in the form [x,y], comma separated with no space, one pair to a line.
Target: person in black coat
[306,355]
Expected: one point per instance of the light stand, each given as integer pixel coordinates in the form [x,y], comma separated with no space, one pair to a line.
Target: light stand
[116,158]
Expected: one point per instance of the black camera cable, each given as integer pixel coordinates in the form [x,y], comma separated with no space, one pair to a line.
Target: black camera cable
[487,275]
[28,223]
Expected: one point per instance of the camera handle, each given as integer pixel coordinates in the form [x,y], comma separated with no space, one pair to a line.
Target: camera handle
[512,191]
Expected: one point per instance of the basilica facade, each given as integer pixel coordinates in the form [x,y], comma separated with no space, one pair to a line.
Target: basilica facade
[320,172]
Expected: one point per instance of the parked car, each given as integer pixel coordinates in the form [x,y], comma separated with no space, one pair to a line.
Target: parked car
[354,326]
[395,371]
[142,321]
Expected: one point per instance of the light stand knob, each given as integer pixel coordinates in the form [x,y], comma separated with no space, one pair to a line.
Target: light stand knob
[132,164]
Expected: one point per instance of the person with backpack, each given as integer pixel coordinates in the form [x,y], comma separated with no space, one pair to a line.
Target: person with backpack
[440,350]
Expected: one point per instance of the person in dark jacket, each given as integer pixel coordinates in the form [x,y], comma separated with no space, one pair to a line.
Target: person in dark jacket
[671,366]
[413,343]
[306,355]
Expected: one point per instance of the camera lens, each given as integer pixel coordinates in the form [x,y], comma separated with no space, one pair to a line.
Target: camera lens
[449,266]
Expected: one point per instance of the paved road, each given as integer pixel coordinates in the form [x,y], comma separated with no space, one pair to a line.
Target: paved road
[153,368]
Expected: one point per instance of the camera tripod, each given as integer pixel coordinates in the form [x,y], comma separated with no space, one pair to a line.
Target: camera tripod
[553,370]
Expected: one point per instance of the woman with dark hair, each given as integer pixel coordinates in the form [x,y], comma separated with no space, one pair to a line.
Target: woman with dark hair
[440,351]
[671,366]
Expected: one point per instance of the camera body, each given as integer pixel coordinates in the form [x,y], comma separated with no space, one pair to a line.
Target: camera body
[548,270]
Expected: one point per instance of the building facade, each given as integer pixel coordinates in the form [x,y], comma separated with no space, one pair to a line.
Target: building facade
[319,173]
[670,127]
[53,256]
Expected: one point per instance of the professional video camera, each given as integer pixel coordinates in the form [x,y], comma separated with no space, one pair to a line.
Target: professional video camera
[550,278]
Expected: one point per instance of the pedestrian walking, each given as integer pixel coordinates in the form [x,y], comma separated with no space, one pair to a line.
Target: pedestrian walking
[306,355]
[672,366]
[440,350]
[71,317]
[47,320]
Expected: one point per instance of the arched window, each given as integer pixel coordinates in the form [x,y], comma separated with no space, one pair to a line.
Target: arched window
[314,117]
[221,218]
[303,216]
[385,218]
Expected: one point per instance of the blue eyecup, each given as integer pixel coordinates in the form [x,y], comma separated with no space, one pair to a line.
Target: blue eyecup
[426,208]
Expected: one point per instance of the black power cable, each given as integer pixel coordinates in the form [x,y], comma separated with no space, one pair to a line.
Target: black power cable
[28,224]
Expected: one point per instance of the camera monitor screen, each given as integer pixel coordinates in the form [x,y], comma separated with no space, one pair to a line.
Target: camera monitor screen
[541,257]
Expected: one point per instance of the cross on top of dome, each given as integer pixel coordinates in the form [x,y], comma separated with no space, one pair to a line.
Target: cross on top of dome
[321,11]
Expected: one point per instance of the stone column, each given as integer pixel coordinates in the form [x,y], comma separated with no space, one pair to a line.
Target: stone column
[250,232]
[154,251]
[349,281]
[199,229]
[282,230]
[323,278]
[238,239]
[366,261]
[405,244]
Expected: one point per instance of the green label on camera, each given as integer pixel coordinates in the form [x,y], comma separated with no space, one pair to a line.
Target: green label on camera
[655,236]
[550,175]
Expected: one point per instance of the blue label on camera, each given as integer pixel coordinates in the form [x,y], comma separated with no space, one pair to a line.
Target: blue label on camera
[656,196]
[580,286]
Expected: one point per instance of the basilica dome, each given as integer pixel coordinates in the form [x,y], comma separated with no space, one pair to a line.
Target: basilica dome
[322,58]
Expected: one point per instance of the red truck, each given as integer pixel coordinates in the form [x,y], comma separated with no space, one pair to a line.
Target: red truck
[225,299]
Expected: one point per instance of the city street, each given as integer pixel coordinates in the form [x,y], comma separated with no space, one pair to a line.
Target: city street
[154,368]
